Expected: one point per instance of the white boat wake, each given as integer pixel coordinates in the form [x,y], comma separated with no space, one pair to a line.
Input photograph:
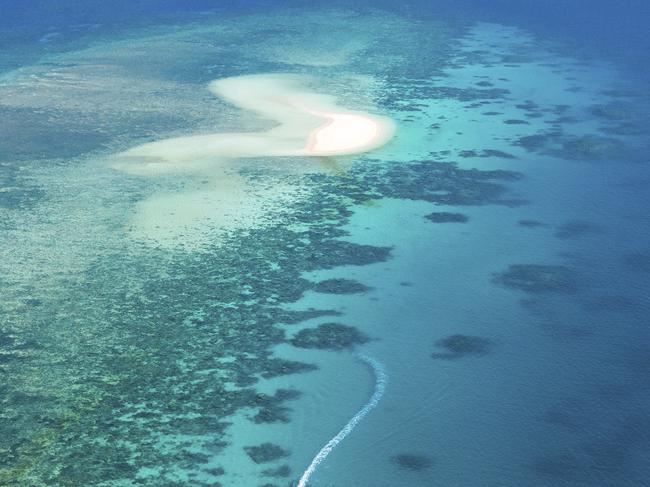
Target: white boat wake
[380,386]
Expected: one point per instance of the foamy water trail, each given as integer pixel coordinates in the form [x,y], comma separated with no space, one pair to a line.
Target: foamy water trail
[380,387]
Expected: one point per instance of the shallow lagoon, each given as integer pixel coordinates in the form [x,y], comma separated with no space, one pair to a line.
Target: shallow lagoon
[512,336]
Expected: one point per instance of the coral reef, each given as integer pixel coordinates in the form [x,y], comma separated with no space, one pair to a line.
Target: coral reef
[266,452]
[340,286]
[329,336]
[272,409]
[412,461]
[291,317]
[593,148]
[281,471]
[446,217]
[612,111]
[529,223]
[538,278]
[458,346]
[514,121]
[536,142]
[576,229]
[496,153]
[150,350]
[210,353]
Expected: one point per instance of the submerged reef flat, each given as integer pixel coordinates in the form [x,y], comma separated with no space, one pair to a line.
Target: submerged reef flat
[169,314]
[123,319]
[119,316]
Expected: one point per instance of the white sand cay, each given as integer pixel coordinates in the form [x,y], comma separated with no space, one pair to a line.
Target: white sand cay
[308,124]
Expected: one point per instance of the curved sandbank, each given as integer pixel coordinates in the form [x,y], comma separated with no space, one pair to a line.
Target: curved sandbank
[309,124]
[221,200]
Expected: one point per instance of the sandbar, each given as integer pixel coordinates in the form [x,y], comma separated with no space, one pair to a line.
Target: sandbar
[308,124]
[219,200]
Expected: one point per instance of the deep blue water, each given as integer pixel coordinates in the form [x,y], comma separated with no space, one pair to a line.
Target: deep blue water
[616,29]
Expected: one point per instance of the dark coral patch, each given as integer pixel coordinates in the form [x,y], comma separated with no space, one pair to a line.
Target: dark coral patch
[529,223]
[413,462]
[282,471]
[266,452]
[468,94]
[272,408]
[291,317]
[514,121]
[340,286]
[496,153]
[592,147]
[329,336]
[612,111]
[528,105]
[215,472]
[486,153]
[276,367]
[576,229]
[538,278]
[458,346]
[446,217]
[533,143]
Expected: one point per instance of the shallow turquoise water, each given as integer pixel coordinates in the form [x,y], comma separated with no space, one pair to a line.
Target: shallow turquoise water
[492,257]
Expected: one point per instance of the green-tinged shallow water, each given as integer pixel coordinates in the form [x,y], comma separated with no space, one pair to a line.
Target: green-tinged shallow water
[491,258]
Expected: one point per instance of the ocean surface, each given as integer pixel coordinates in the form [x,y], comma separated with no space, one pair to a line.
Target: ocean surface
[466,305]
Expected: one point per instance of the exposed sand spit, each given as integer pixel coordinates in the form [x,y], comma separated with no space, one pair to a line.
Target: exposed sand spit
[308,124]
